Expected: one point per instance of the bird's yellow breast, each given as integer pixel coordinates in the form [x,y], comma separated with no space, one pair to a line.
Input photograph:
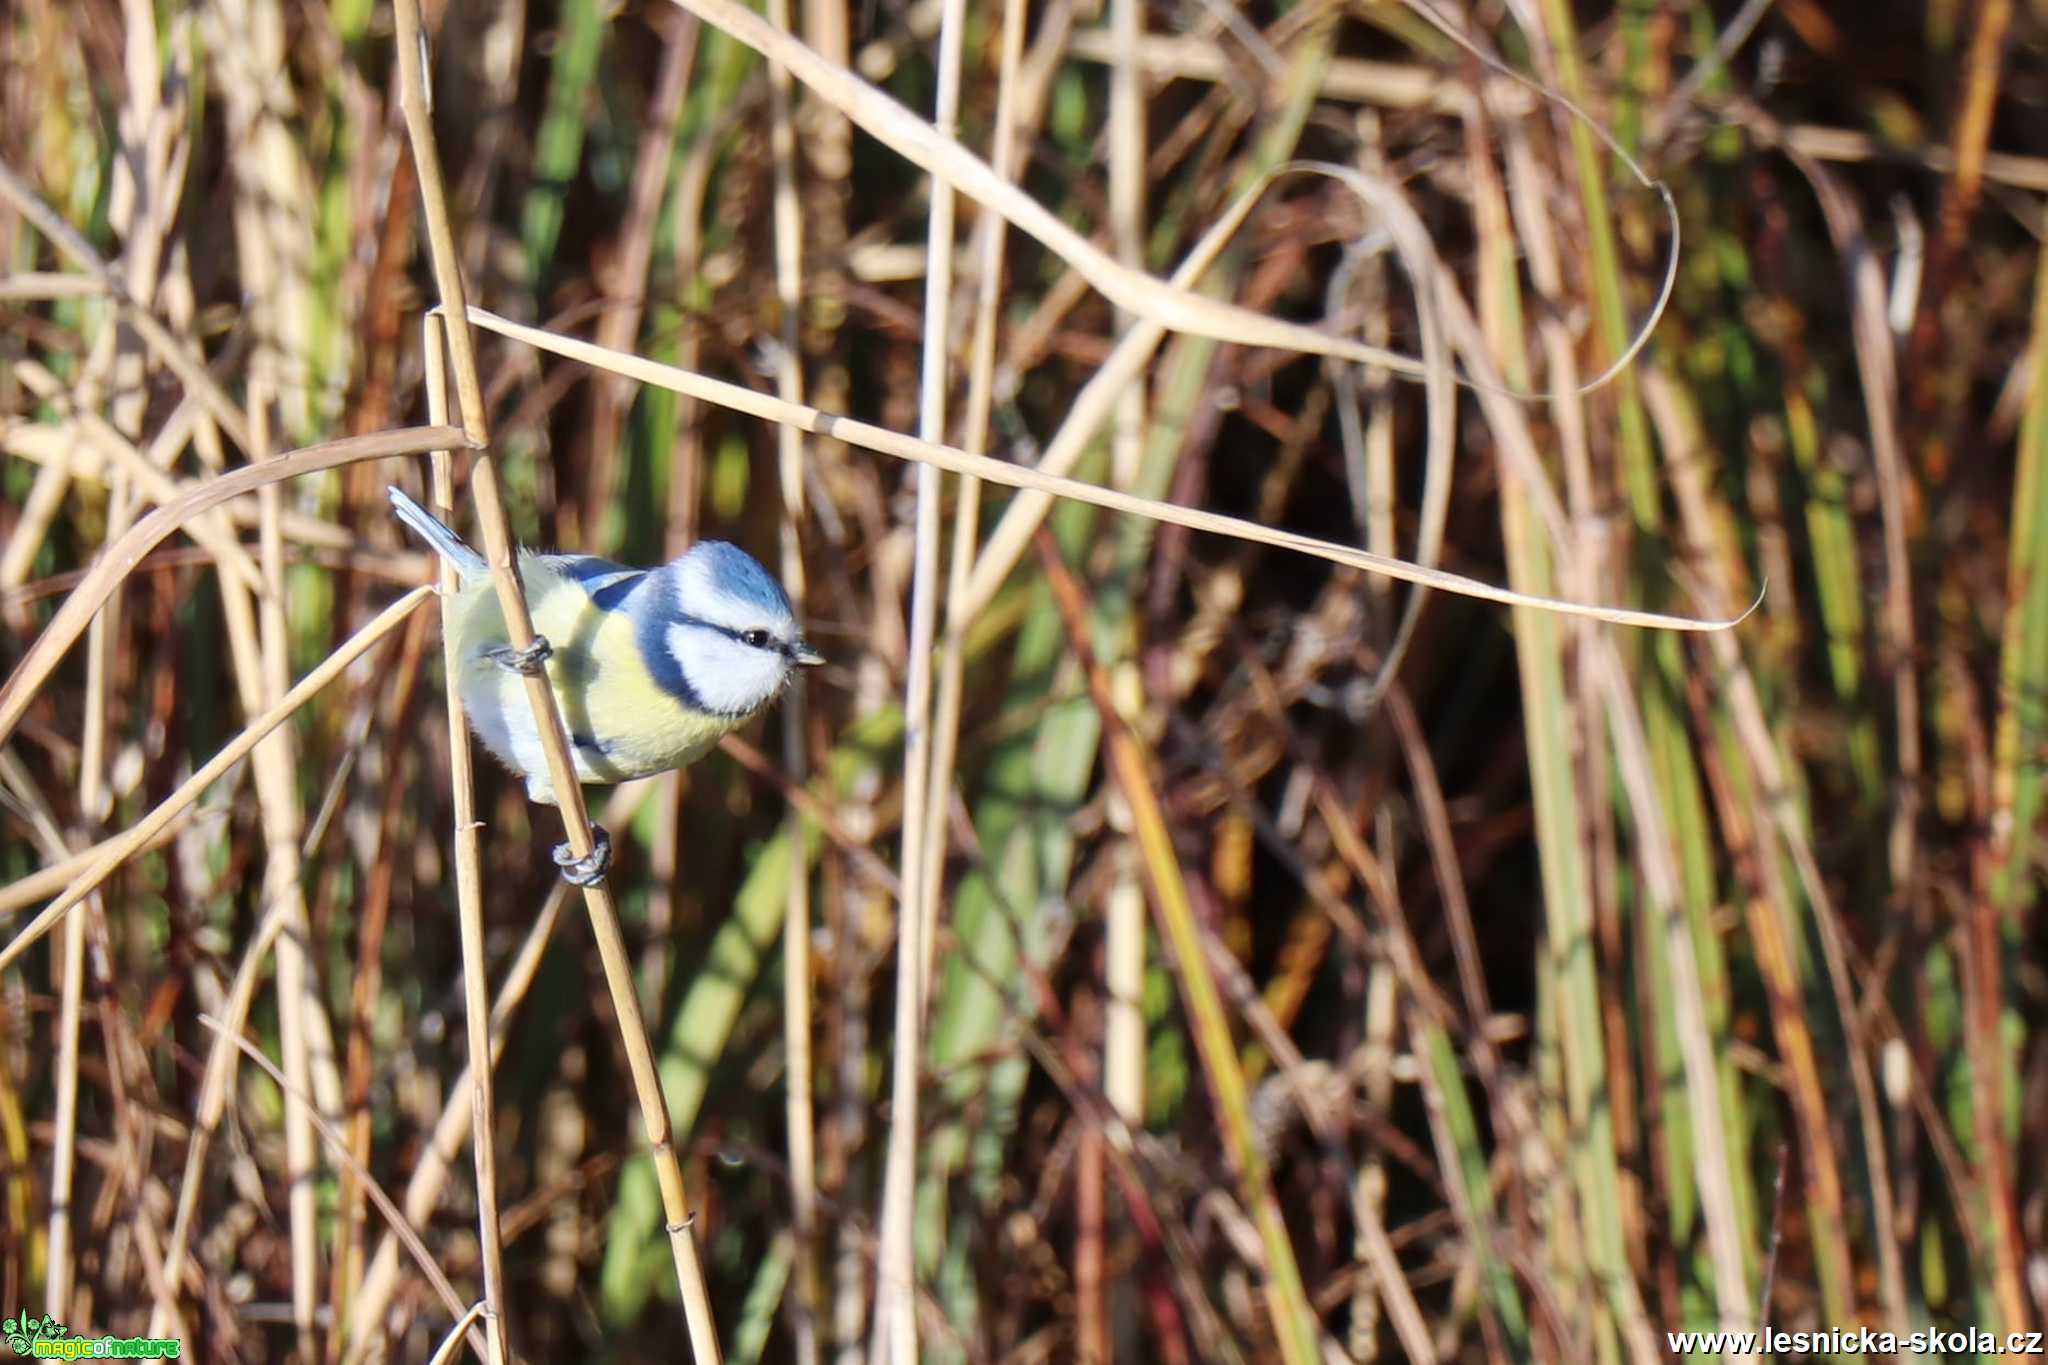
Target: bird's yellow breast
[622,723]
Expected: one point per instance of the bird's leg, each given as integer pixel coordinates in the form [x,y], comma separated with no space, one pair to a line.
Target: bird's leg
[526,662]
[590,869]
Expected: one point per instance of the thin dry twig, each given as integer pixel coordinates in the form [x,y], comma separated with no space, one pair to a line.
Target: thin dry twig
[958,461]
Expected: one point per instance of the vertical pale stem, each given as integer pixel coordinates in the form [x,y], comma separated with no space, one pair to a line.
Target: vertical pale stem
[1123,1043]
[276,766]
[1123,1077]
[796,920]
[1127,213]
[276,762]
[989,255]
[828,141]
[92,766]
[895,1328]
[64,1147]
[476,990]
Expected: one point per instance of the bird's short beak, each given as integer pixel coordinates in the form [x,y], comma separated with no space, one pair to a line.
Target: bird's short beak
[803,654]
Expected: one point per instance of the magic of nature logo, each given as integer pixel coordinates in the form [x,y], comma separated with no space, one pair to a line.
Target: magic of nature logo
[45,1338]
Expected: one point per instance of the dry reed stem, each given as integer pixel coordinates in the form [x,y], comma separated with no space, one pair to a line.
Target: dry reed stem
[69,967]
[1368,440]
[469,888]
[262,677]
[1124,948]
[415,102]
[39,511]
[42,286]
[92,765]
[1393,1285]
[988,252]
[1375,1070]
[47,881]
[499,554]
[895,1328]
[800,1120]
[936,792]
[451,1344]
[957,461]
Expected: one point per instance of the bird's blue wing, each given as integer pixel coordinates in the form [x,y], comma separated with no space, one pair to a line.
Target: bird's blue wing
[606,582]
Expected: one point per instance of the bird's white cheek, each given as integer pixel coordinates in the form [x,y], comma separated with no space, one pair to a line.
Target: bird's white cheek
[726,675]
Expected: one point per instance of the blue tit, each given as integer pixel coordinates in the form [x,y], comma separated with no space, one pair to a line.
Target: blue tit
[650,667]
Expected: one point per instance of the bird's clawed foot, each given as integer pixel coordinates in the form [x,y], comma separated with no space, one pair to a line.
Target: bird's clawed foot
[526,662]
[590,869]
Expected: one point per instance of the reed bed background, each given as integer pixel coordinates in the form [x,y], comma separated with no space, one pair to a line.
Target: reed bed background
[1139,943]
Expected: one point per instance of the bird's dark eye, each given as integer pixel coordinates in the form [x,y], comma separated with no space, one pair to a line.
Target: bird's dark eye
[757,639]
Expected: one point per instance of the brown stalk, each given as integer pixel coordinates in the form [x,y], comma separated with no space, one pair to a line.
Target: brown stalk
[1981,63]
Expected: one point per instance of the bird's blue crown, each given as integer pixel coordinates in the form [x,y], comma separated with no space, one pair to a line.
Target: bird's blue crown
[734,572]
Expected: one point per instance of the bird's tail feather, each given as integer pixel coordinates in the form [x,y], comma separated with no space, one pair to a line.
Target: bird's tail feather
[435,532]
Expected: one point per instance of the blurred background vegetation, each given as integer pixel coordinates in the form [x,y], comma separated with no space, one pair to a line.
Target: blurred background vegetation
[1588,982]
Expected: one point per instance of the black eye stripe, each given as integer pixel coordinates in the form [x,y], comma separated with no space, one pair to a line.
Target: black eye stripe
[755,638]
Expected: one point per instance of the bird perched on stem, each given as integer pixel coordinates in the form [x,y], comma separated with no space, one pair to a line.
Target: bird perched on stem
[649,666]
